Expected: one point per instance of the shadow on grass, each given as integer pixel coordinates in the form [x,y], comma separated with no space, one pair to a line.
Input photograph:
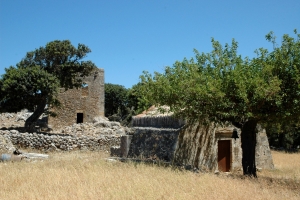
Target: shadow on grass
[268,182]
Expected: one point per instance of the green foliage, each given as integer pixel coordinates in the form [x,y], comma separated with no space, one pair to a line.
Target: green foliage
[136,100]
[25,87]
[122,104]
[284,136]
[61,59]
[115,99]
[222,86]
[33,84]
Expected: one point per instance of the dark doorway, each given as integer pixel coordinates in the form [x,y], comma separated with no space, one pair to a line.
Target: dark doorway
[79,118]
[224,155]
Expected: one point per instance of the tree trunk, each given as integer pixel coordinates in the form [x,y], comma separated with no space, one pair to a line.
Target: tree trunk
[248,137]
[31,121]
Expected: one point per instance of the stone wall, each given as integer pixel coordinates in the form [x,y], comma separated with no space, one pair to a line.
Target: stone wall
[196,146]
[65,142]
[101,134]
[88,100]
[153,143]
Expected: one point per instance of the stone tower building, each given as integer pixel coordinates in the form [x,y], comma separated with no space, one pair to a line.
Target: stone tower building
[82,104]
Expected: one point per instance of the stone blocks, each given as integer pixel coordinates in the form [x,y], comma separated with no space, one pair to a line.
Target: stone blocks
[87,101]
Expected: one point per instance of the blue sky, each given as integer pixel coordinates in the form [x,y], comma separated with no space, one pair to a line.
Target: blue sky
[129,36]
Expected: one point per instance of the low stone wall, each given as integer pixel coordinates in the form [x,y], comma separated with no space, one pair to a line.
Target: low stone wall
[153,143]
[65,142]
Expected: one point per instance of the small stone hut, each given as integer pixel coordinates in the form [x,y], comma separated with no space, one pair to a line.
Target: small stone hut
[82,104]
[208,147]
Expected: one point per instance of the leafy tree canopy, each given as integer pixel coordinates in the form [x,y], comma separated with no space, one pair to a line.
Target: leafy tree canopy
[33,84]
[26,87]
[222,86]
[136,100]
[115,99]
[121,103]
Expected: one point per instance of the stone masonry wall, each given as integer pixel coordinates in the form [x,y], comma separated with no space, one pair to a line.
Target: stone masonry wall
[65,142]
[198,147]
[153,143]
[101,134]
[195,146]
[88,100]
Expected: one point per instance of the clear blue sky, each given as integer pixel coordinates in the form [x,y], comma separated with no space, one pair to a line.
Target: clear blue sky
[129,36]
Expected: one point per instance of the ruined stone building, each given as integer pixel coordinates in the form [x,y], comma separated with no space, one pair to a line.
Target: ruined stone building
[82,104]
[209,147]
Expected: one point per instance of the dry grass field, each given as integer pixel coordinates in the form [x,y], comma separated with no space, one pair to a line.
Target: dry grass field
[86,175]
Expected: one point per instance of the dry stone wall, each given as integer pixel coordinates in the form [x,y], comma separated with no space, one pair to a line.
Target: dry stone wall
[153,143]
[65,142]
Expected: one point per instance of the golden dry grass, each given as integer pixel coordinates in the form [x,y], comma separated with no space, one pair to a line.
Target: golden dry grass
[86,175]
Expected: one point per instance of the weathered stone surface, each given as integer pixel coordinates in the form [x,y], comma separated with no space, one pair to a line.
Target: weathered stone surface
[125,145]
[85,136]
[6,145]
[263,154]
[196,146]
[153,143]
[88,100]
[95,129]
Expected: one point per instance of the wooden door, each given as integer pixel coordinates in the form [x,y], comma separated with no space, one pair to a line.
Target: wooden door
[224,155]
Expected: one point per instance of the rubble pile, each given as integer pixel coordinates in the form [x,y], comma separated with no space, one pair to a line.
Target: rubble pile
[100,126]
[10,120]
[17,120]
[101,134]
